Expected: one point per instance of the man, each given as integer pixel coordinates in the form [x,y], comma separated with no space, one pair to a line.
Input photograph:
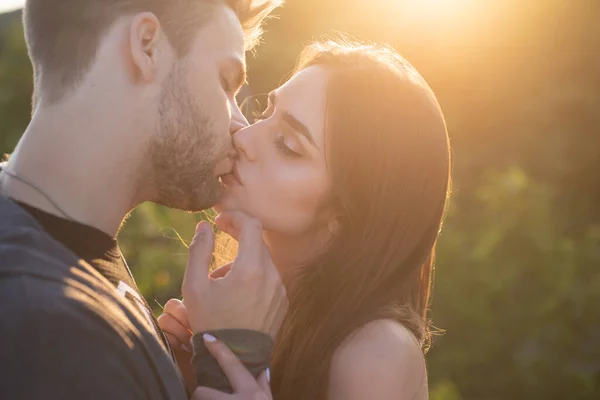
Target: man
[134,101]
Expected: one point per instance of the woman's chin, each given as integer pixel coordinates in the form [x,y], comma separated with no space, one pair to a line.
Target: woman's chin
[222,206]
[226,203]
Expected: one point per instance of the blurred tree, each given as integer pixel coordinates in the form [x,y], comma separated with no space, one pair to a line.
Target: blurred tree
[16,83]
[516,295]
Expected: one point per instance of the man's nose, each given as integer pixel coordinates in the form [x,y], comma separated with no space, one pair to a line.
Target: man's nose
[238,120]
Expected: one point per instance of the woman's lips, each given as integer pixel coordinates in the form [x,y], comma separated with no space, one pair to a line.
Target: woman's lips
[236,175]
[232,178]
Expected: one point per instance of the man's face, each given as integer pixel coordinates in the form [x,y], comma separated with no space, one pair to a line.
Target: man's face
[198,113]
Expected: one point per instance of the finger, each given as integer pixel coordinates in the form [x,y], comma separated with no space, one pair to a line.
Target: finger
[200,255]
[238,376]
[221,271]
[204,393]
[264,382]
[171,325]
[246,230]
[176,308]
[176,344]
[224,222]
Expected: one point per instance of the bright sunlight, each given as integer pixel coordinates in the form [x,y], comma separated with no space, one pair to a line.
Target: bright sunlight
[434,9]
[8,5]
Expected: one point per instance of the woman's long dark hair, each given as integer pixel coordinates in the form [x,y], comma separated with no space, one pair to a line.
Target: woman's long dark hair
[389,159]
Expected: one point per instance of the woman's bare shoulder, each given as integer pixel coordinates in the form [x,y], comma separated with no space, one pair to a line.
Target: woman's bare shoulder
[382,360]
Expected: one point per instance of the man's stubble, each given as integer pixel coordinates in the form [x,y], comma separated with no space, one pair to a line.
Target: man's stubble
[183,152]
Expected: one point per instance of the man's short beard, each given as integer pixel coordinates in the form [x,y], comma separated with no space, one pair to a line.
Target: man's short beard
[182,153]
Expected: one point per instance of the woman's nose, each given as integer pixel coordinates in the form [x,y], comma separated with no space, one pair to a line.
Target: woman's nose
[243,141]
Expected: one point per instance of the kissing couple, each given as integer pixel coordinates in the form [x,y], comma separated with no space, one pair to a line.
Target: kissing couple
[335,197]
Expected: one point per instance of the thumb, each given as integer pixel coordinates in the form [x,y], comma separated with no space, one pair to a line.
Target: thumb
[200,256]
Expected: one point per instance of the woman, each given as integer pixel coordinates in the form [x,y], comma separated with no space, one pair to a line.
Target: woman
[348,171]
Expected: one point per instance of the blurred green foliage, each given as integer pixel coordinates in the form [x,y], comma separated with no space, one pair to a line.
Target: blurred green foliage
[517,284]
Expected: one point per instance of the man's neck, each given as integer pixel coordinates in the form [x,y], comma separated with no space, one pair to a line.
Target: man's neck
[72,172]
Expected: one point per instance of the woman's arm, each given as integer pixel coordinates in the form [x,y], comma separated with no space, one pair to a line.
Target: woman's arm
[383,361]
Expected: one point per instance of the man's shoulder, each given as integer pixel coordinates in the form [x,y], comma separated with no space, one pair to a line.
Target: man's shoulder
[56,304]
[38,275]
[55,329]
[40,294]
[61,316]
[25,245]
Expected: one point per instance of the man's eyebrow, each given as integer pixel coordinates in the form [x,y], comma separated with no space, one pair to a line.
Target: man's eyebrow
[293,122]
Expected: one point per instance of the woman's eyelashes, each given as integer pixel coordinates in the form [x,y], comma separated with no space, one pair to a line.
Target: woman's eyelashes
[279,142]
[280,138]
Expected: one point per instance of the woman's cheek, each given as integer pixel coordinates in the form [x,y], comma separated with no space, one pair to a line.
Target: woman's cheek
[298,204]
[272,201]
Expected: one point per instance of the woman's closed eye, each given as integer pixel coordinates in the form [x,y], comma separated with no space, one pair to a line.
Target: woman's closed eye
[280,144]
[285,143]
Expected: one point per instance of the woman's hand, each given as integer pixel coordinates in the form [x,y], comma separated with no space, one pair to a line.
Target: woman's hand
[244,385]
[175,325]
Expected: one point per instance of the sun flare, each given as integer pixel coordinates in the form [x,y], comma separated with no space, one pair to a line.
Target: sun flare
[433,9]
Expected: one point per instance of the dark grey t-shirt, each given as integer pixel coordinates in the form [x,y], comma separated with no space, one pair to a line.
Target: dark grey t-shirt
[65,333]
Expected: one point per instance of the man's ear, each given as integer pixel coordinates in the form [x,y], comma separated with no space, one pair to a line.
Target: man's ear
[144,40]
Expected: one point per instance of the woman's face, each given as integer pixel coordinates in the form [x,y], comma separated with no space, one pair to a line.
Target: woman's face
[282,176]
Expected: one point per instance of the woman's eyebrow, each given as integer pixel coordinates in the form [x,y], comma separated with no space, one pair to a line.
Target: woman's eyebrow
[293,121]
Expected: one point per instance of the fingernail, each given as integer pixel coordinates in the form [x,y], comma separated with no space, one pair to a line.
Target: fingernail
[208,337]
[201,227]
[268,373]
[185,347]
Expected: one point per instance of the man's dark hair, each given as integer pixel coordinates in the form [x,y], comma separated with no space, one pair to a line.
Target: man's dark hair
[63,35]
